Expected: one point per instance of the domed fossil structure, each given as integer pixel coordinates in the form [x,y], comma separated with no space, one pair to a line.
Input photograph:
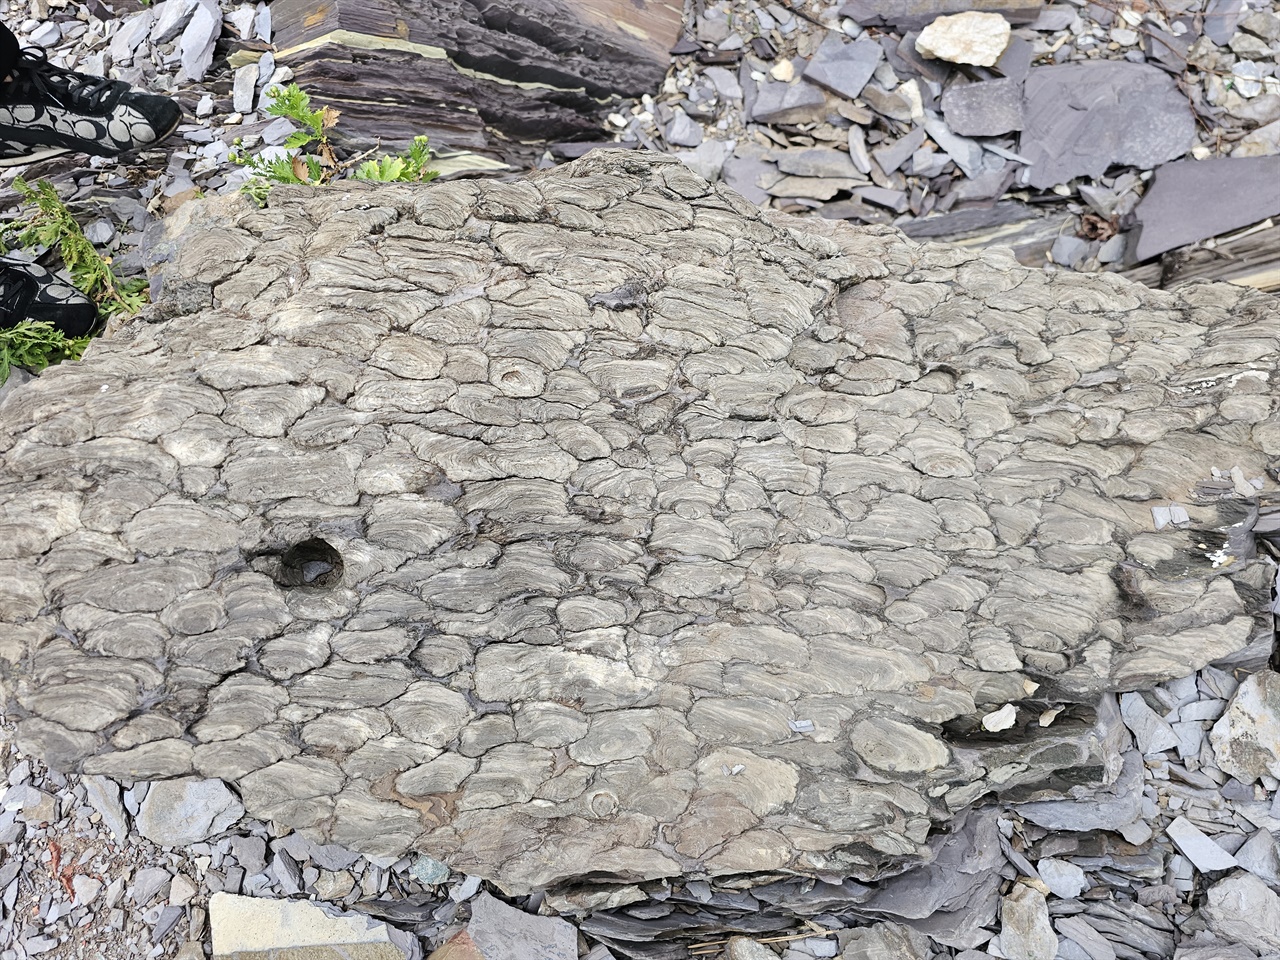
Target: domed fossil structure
[598,524]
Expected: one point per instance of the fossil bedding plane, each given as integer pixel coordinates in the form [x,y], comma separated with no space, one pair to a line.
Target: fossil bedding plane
[600,523]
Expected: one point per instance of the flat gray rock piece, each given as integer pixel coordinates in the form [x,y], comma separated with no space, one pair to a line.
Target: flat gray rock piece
[171,18]
[1151,731]
[816,162]
[180,812]
[1063,878]
[844,67]
[1192,200]
[1198,848]
[480,519]
[914,14]
[1084,117]
[1221,18]
[984,109]
[967,154]
[683,131]
[795,102]
[1025,930]
[505,933]
[198,38]
[260,926]
[882,941]
[1260,857]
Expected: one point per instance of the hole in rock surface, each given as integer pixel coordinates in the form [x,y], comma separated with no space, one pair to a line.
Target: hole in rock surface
[311,563]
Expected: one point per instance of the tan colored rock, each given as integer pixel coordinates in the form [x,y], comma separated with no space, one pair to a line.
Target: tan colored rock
[253,928]
[971,37]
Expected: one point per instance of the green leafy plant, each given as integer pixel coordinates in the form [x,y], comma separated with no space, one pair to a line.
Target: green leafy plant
[313,160]
[35,344]
[407,167]
[48,223]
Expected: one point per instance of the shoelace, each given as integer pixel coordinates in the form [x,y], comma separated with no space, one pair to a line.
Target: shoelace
[17,290]
[65,87]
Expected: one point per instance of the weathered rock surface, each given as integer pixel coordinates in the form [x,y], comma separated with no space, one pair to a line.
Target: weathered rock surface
[599,521]
[1246,740]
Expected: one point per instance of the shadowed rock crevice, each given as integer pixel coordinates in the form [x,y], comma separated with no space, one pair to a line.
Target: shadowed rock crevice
[674,537]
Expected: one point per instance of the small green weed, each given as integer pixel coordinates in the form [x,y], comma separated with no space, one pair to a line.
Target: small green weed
[313,160]
[35,344]
[50,224]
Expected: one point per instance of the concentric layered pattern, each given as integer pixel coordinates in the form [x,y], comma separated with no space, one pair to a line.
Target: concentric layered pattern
[598,524]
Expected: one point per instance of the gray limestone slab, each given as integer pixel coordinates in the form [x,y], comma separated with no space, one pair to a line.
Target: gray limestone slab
[1242,909]
[966,153]
[1221,17]
[795,102]
[984,109]
[1151,731]
[914,14]
[844,67]
[682,131]
[895,200]
[1015,63]
[440,395]
[103,795]
[501,932]
[1192,200]
[815,162]
[1198,848]
[1085,117]
[187,810]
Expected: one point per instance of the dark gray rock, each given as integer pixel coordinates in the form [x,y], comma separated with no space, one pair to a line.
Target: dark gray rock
[1192,200]
[844,67]
[1221,17]
[1084,117]
[795,102]
[501,932]
[914,14]
[984,109]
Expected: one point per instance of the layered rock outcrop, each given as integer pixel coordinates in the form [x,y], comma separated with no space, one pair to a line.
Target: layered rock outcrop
[600,525]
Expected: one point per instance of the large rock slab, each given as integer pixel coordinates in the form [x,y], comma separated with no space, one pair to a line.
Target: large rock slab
[601,521]
[1082,118]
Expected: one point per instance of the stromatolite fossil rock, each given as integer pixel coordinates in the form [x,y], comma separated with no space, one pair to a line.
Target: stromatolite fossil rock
[598,525]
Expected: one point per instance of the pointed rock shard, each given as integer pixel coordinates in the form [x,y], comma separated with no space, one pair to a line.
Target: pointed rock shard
[1247,737]
[972,37]
[1199,849]
[1152,732]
